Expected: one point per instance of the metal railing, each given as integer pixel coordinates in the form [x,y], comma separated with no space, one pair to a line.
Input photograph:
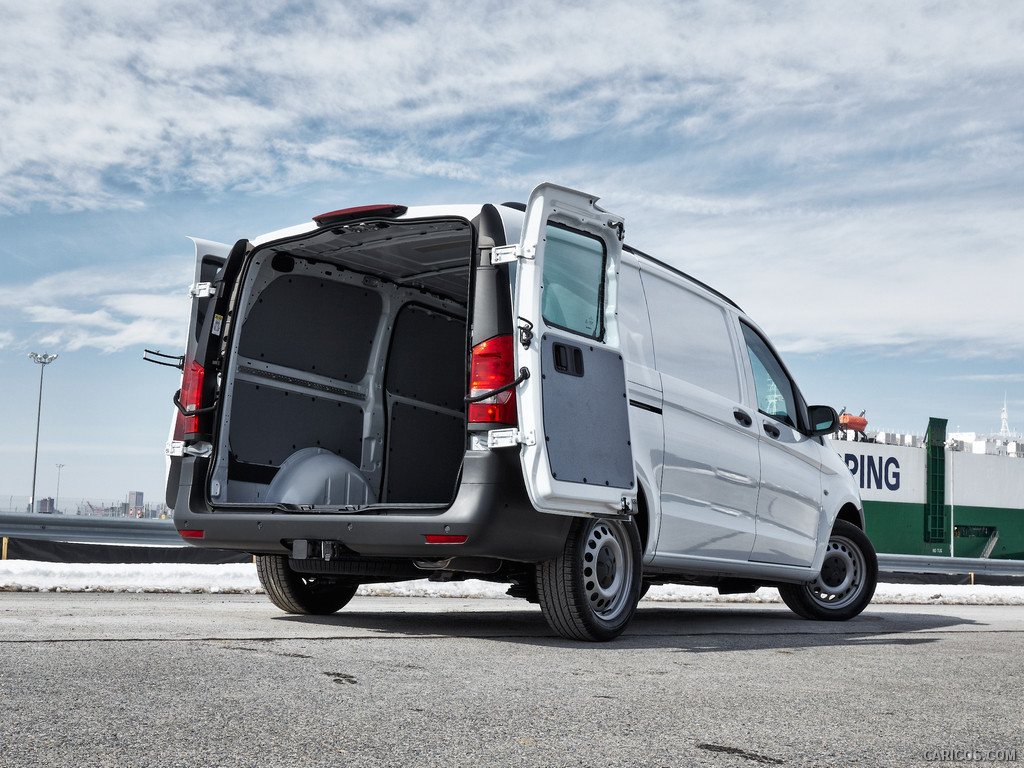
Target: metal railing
[953,566]
[92,530]
[117,530]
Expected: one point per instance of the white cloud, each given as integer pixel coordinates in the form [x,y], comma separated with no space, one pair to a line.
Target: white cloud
[863,152]
[104,102]
[928,276]
[106,308]
[1008,378]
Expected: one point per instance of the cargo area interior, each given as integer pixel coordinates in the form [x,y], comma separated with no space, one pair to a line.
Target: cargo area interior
[346,377]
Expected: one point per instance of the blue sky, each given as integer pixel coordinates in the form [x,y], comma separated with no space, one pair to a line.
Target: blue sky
[852,174]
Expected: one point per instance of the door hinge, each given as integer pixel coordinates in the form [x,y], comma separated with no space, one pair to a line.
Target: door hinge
[202,291]
[504,254]
[177,449]
[507,438]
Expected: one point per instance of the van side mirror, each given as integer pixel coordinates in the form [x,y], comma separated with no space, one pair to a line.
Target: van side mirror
[823,419]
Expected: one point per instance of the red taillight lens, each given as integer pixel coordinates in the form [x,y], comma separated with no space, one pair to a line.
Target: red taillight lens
[437,538]
[190,534]
[192,393]
[493,366]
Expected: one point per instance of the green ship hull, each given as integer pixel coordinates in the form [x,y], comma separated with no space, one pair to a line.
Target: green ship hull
[928,499]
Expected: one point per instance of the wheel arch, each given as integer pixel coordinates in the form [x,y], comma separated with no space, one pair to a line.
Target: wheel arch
[852,514]
[642,518]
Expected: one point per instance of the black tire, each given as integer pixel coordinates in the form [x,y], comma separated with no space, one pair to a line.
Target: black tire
[300,593]
[846,583]
[590,591]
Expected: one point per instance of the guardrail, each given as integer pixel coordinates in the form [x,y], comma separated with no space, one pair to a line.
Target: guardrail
[954,566]
[127,530]
[92,530]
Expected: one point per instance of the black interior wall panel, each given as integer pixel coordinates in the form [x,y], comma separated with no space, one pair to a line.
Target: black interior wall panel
[314,325]
[268,425]
[427,361]
[425,450]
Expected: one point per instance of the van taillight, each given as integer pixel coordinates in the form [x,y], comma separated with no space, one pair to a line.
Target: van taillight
[336,218]
[192,393]
[492,367]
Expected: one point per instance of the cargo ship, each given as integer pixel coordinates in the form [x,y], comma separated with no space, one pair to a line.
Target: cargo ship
[958,495]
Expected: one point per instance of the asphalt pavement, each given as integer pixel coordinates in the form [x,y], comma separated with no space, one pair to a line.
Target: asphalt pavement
[228,680]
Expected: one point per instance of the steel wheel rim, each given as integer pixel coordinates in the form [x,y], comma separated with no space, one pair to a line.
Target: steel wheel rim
[607,567]
[842,574]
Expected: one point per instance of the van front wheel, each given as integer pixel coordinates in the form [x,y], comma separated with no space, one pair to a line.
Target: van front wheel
[296,593]
[846,583]
[590,591]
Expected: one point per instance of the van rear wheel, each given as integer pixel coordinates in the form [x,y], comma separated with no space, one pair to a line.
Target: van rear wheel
[590,591]
[846,583]
[298,593]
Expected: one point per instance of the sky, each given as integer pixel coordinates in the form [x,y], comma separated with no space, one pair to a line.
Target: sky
[851,174]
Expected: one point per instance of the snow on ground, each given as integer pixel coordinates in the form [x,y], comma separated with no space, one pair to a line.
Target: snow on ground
[31,576]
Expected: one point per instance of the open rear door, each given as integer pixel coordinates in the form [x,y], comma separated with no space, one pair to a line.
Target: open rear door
[574,408]
[210,259]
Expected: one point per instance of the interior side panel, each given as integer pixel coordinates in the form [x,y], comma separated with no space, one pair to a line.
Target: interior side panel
[314,325]
[425,450]
[428,358]
[269,425]
[425,382]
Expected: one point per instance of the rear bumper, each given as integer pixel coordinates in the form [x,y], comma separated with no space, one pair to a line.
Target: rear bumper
[491,509]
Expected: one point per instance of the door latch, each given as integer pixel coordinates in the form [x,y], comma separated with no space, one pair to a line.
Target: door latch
[525,332]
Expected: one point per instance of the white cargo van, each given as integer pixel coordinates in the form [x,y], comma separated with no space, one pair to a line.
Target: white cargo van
[500,392]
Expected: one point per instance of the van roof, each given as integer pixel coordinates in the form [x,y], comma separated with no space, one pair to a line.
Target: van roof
[511,215]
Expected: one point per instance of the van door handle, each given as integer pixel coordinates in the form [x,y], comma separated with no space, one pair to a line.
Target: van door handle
[772,430]
[568,359]
[743,417]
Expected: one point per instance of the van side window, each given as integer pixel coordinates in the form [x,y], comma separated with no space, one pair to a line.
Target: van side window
[692,340]
[634,321]
[573,280]
[775,392]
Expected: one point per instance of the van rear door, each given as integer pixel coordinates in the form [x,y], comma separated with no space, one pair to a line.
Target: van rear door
[210,259]
[574,408]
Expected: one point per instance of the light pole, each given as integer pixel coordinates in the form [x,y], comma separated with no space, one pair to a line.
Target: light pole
[57,498]
[43,360]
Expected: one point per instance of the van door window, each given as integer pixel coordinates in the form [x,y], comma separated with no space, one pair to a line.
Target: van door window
[775,392]
[573,280]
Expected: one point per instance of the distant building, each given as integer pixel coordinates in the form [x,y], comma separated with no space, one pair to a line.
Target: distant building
[46,506]
[135,504]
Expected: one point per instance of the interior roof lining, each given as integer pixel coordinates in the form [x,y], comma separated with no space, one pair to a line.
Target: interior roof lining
[413,254]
